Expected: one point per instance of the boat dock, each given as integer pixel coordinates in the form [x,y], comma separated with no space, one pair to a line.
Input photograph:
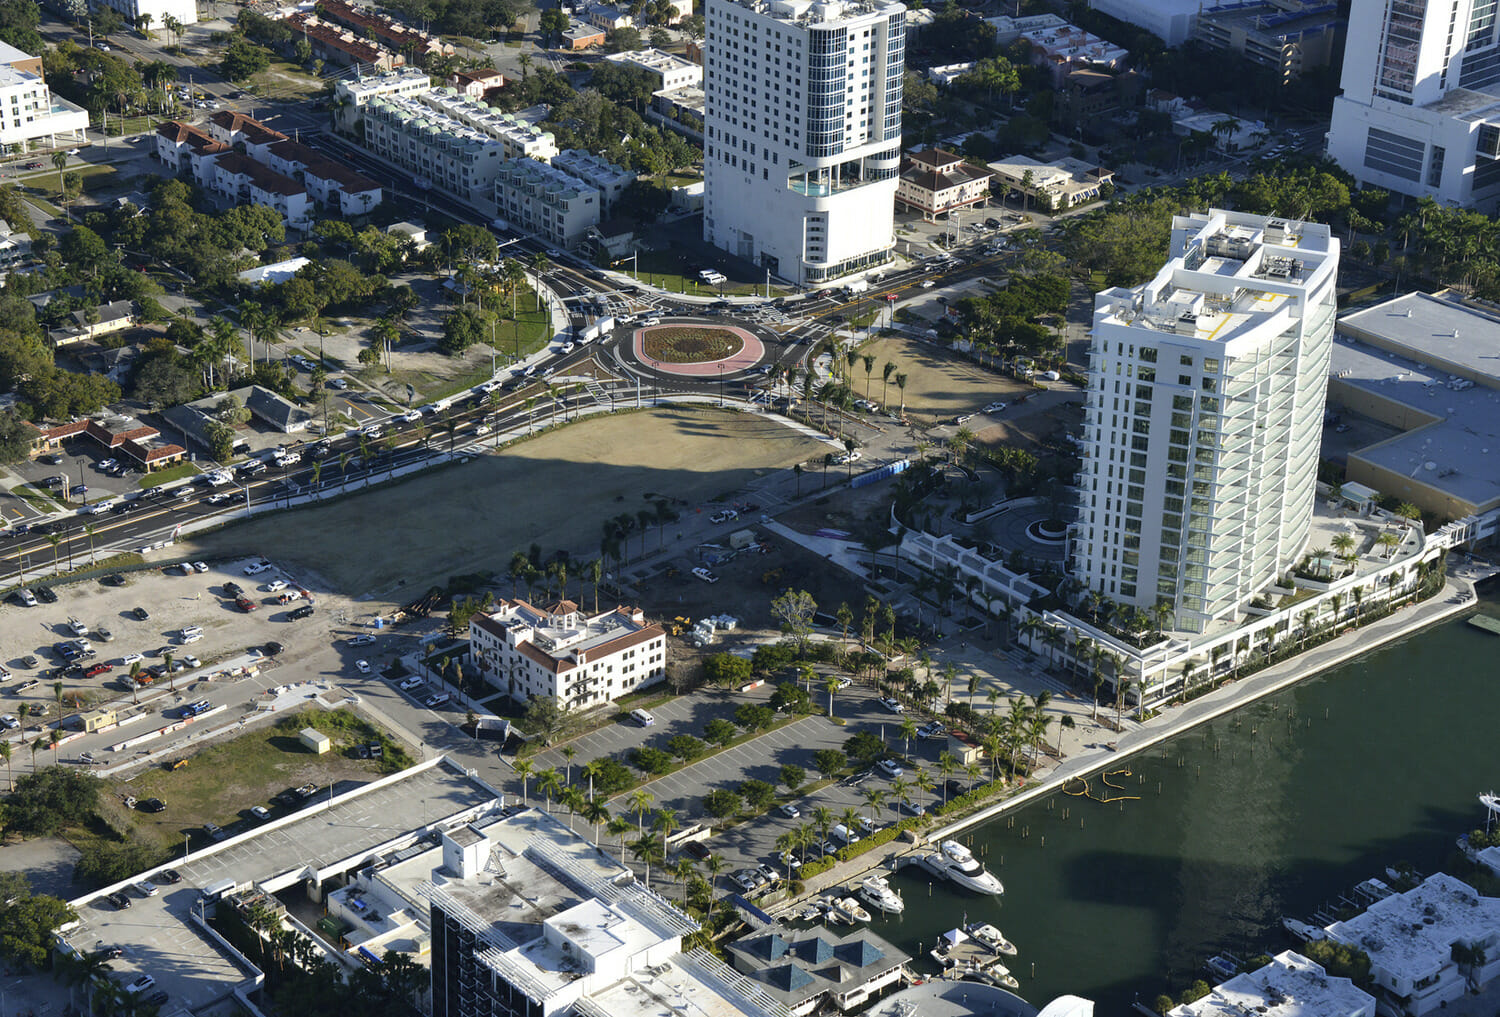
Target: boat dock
[1485,622]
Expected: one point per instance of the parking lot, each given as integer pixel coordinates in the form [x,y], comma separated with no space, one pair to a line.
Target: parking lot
[88,474]
[146,615]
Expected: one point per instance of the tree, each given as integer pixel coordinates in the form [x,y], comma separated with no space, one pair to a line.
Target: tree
[863,748]
[46,801]
[792,777]
[650,760]
[551,25]
[721,802]
[685,747]
[720,731]
[829,762]
[243,59]
[28,921]
[796,609]
[463,328]
[757,794]
[754,716]
[790,697]
[727,670]
[545,717]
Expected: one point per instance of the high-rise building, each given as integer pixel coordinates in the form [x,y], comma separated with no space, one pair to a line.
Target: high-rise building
[1420,109]
[802,129]
[1203,417]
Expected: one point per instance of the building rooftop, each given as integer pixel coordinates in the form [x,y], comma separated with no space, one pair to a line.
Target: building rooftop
[652,60]
[819,12]
[1458,430]
[1274,20]
[1230,275]
[1411,934]
[796,965]
[1289,986]
[1439,329]
[944,998]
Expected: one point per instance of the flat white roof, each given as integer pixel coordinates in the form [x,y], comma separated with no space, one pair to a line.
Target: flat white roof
[1289,986]
[1411,934]
[1435,328]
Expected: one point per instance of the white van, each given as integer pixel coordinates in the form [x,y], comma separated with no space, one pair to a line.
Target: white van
[642,717]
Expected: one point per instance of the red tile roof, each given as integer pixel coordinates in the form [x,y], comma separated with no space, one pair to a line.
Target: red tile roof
[267,180]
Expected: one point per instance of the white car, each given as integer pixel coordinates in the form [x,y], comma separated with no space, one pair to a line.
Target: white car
[412,683]
[994,407]
[411,415]
[131,658]
[9,723]
[373,431]
[276,585]
[339,383]
[652,321]
[891,704]
[927,284]
[362,666]
[189,661]
[200,566]
[260,812]
[890,768]
[705,575]
[256,568]
[790,811]
[361,640]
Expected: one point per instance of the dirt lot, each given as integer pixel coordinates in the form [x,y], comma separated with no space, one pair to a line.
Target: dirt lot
[939,386]
[554,491]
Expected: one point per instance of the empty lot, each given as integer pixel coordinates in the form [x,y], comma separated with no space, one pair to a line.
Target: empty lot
[939,385]
[554,491]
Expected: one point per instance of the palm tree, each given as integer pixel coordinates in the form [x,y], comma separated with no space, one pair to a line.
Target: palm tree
[618,826]
[5,753]
[59,160]
[822,820]
[595,812]
[1390,542]
[640,802]
[664,822]
[549,783]
[830,686]
[887,369]
[524,770]
[135,688]
[647,849]
[874,797]
[901,385]
[1343,545]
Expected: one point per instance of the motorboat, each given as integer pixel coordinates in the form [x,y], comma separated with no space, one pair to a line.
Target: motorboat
[1303,931]
[958,864]
[876,892]
[1224,966]
[992,938]
[994,976]
[848,908]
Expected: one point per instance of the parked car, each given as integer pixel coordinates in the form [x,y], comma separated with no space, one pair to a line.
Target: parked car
[119,900]
[275,585]
[215,832]
[789,810]
[256,568]
[432,702]
[260,812]
[305,611]
[890,768]
[362,666]
[411,683]
[141,984]
[361,640]
[152,805]
[705,575]
[168,876]
[892,705]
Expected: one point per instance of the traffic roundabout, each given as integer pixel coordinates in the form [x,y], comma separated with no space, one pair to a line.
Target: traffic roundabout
[694,350]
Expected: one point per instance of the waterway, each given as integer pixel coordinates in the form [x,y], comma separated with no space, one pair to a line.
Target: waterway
[1269,811]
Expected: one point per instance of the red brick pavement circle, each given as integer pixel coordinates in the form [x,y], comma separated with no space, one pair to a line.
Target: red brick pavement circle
[750,354]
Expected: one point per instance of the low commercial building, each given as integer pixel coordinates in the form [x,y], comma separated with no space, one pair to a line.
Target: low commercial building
[810,968]
[122,436]
[477,84]
[1427,945]
[580,35]
[1289,986]
[666,69]
[1288,36]
[544,200]
[1423,364]
[934,183]
[1230,134]
[29,112]
[680,109]
[1052,185]
[558,650]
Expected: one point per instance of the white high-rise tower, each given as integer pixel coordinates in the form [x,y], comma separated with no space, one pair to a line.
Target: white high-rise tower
[1420,109]
[802,125]
[1204,415]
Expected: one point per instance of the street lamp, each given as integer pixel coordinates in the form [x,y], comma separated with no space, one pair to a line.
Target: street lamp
[721,384]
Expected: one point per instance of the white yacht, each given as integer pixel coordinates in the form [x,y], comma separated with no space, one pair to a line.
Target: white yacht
[876,892]
[956,863]
[1302,930]
[992,938]
[848,908]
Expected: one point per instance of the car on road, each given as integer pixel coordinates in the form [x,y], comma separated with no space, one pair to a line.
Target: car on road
[705,575]
[927,284]
[339,383]
[724,516]
[994,407]
[361,640]
[255,568]
[412,683]
[432,702]
[789,810]
[890,704]
[9,722]
[651,321]
[362,666]
[260,812]
[890,768]
[276,585]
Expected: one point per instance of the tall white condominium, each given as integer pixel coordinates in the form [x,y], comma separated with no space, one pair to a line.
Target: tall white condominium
[1203,417]
[802,145]
[1420,109]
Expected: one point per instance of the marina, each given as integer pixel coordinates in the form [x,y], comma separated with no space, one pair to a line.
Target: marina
[1259,814]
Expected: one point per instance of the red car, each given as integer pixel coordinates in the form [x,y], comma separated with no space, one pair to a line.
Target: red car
[97,670]
[244,604]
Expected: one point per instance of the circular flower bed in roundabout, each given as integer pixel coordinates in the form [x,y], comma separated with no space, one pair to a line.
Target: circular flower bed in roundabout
[690,344]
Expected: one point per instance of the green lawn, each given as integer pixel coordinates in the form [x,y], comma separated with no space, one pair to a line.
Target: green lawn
[40,497]
[168,475]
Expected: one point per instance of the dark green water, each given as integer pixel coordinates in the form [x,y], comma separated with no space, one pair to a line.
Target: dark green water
[1270,811]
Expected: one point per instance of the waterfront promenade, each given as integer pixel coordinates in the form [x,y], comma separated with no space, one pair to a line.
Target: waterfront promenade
[1082,746]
